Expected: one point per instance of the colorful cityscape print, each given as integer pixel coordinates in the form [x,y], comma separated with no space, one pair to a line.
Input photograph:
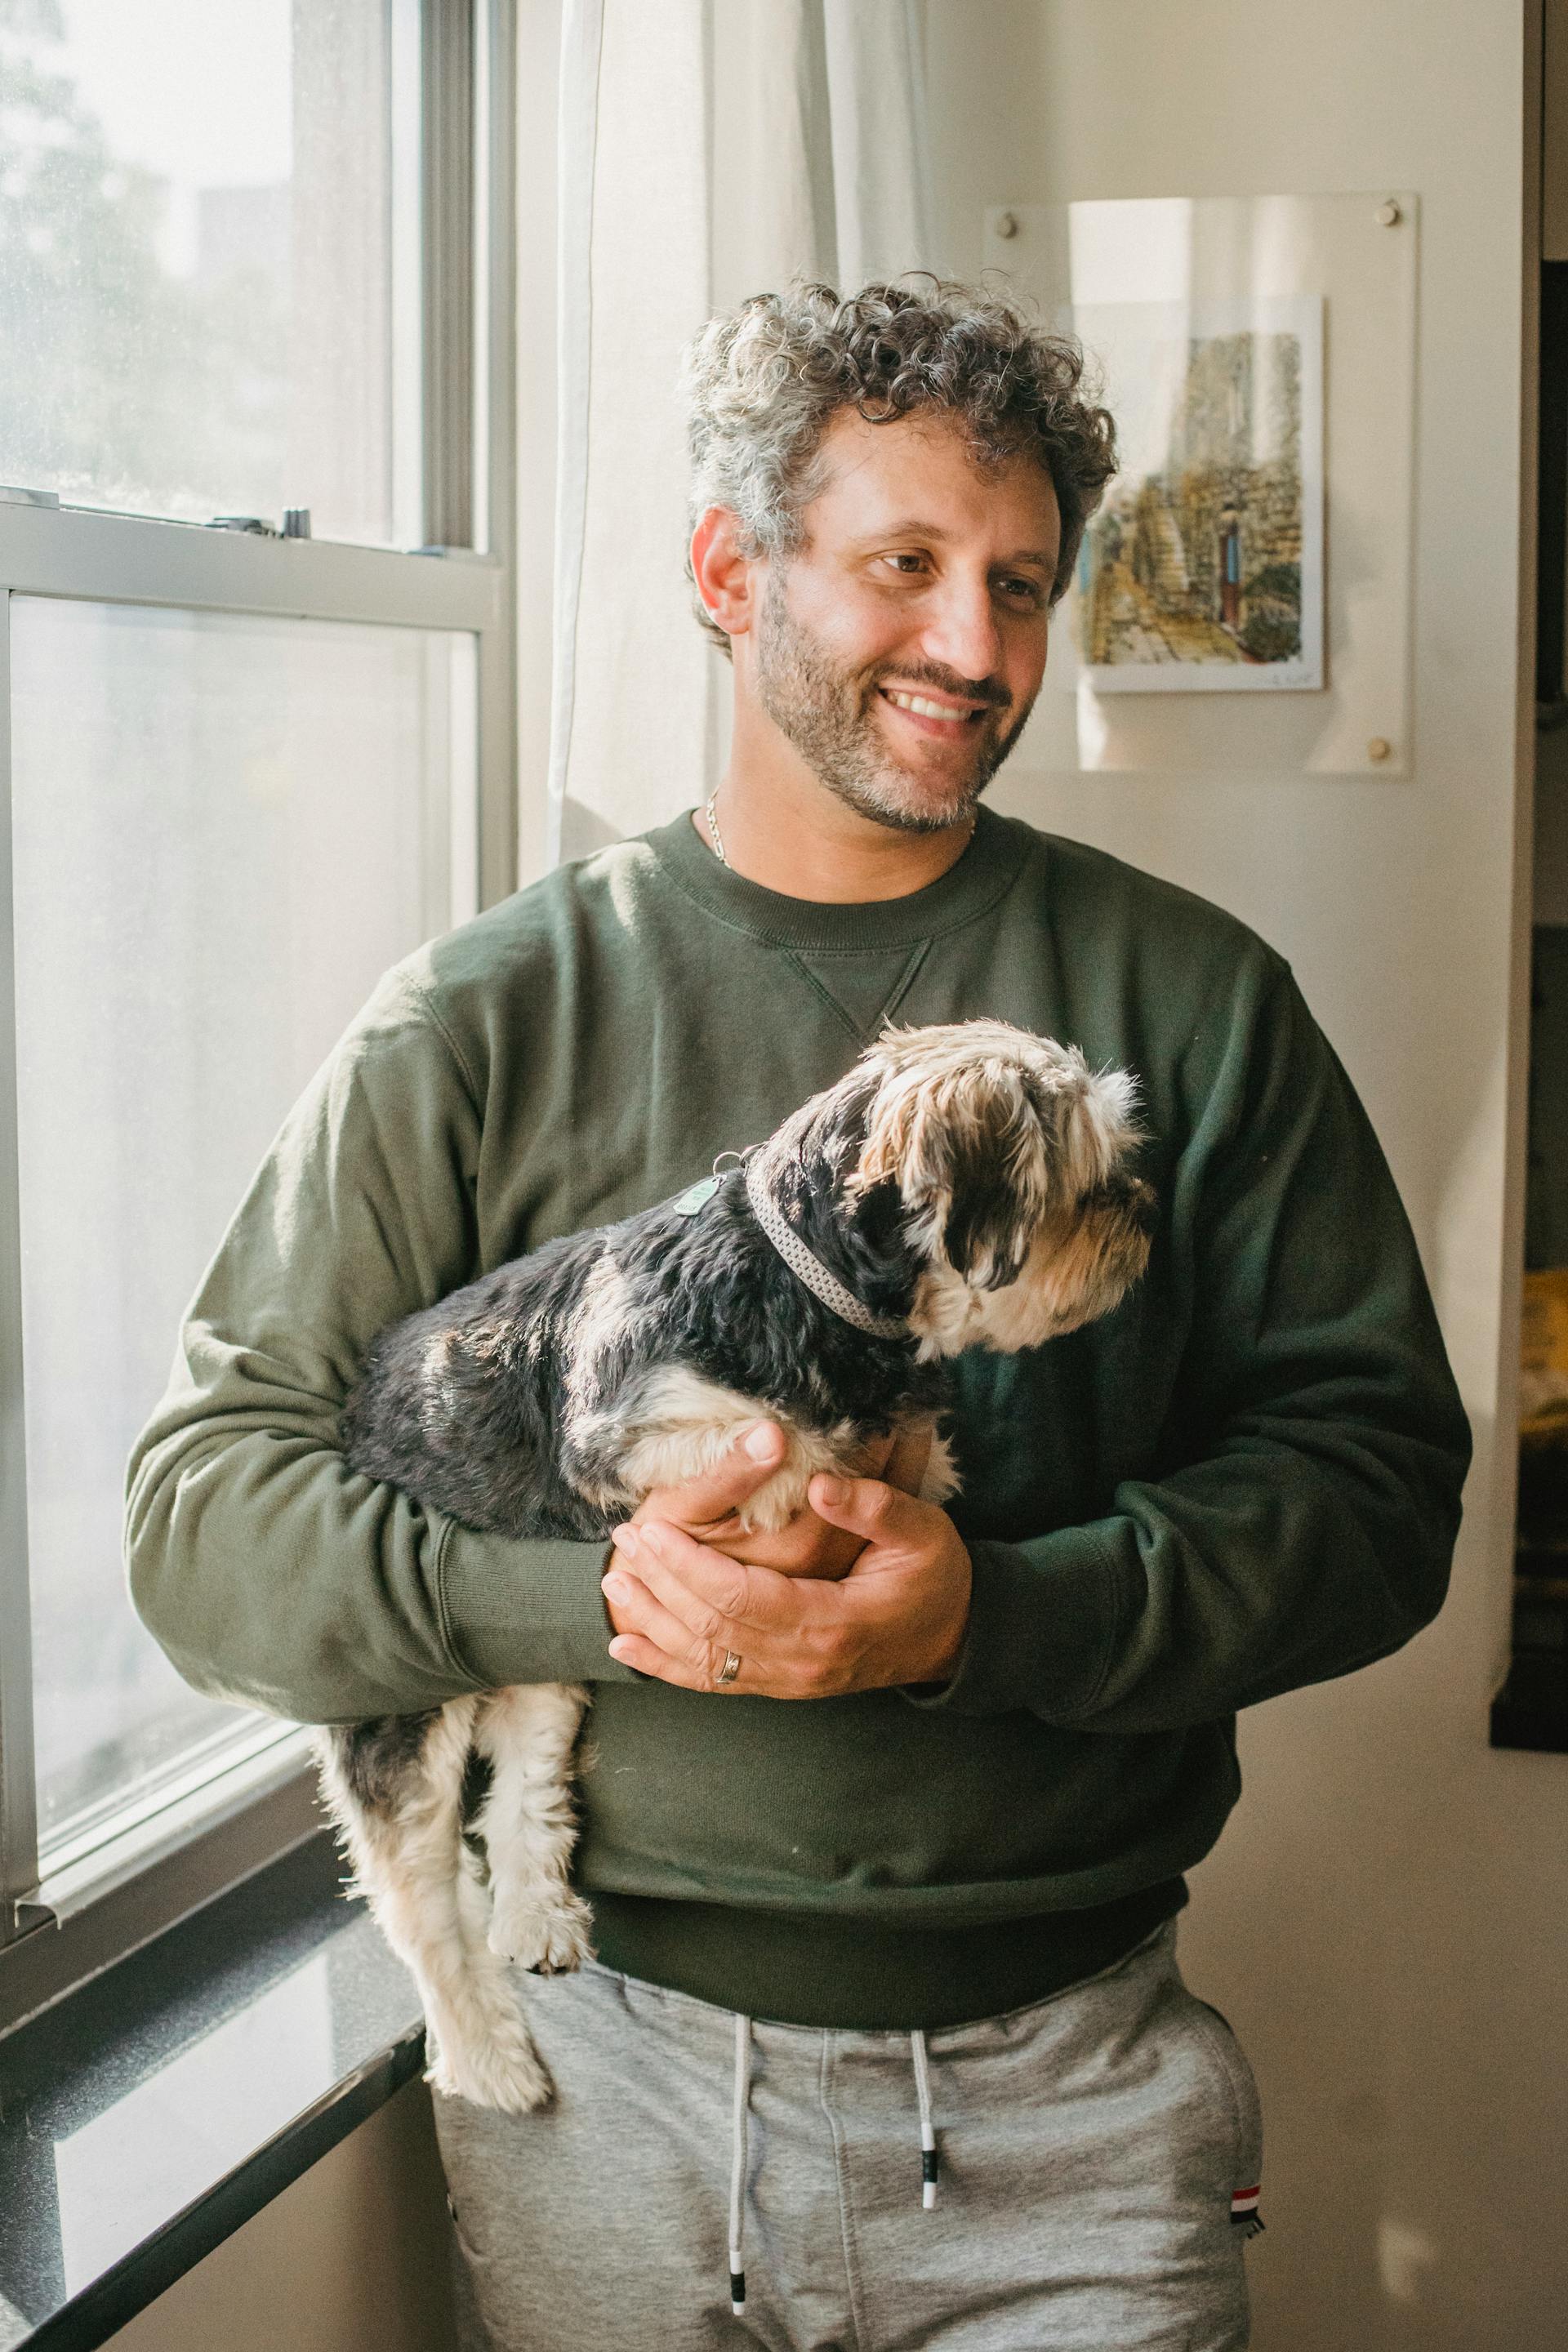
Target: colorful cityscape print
[1198,557]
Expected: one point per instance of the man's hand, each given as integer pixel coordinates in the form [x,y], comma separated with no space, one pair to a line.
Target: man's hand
[898,1616]
[709,1508]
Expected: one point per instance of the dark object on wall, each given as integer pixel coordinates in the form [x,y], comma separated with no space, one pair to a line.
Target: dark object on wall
[1546,1184]
[1531,1708]
[1552,488]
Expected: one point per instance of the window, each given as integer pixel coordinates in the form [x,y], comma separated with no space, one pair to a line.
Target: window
[212,297]
[256,266]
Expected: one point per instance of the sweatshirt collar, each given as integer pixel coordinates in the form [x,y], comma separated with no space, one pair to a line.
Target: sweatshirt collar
[990,865]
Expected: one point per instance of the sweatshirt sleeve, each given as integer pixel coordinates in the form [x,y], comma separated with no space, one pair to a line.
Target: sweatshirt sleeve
[1317,1449]
[269,1573]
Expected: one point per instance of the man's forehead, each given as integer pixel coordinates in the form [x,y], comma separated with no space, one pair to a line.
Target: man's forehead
[921,474]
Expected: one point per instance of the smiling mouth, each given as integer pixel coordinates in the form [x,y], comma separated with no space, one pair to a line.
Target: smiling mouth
[933,714]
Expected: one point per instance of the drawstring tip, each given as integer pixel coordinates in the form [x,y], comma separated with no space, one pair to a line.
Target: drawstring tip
[929,2160]
[737,2292]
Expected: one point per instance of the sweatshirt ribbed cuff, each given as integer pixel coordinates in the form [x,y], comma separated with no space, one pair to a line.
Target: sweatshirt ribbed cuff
[526,1612]
[1043,1619]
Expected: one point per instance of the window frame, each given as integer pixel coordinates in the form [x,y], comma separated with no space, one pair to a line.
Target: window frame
[166,1856]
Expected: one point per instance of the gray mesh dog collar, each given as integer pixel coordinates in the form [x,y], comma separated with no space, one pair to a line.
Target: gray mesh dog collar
[807,1267]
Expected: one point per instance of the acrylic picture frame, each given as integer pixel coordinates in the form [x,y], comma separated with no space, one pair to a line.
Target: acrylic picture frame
[1353,258]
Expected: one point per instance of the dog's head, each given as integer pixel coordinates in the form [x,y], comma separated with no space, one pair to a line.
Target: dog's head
[1010,1160]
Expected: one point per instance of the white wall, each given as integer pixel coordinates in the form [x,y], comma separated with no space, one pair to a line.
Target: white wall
[1384,1918]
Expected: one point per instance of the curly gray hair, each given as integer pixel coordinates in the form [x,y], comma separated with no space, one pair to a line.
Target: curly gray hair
[764,381]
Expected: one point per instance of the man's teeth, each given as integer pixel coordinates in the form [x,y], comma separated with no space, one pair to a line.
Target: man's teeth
[927,709]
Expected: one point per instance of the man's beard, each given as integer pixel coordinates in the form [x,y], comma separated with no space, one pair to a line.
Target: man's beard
[828,714]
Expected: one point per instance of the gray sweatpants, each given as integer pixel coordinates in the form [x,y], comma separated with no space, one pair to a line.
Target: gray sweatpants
[1090,2147]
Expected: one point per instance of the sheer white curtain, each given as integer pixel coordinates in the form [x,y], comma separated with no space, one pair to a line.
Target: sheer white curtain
[707,149]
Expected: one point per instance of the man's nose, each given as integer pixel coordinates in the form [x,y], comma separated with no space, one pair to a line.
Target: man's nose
[960,631]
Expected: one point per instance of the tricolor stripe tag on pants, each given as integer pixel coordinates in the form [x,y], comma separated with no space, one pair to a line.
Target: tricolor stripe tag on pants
[1244,2210]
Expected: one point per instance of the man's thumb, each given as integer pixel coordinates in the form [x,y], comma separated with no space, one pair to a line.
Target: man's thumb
[866,1506]
[752,1456]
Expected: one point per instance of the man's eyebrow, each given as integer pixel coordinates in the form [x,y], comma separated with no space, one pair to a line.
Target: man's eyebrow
[915,527]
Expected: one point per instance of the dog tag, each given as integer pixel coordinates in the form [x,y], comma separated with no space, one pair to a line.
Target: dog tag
[696,1196]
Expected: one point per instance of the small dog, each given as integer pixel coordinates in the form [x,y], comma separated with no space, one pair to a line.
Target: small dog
[963,1186]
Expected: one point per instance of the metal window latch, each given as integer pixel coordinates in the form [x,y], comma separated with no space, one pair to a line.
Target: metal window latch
[295,524]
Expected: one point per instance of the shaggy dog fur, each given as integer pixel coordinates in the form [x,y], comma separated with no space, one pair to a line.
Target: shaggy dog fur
[969,1185]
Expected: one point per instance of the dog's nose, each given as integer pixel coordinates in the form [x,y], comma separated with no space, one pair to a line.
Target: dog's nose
[1130,1197]
[1145,1207]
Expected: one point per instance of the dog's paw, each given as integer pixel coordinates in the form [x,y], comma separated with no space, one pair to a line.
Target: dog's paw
[942,1480]
[504,2072]
[547,1930]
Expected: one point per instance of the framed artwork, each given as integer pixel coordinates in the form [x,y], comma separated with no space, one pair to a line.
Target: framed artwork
[1202,571]
[1242,603]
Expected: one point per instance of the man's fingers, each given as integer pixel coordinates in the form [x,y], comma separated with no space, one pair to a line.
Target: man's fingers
[656,1641]
[869,1507]
[753,1456]
[718,1599]
[646,1657]
[636,1609]
[688,1617]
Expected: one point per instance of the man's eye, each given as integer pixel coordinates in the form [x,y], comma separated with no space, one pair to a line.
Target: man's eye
[907,565]
[1028,592]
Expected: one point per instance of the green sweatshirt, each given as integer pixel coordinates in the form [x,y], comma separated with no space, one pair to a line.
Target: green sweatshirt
[1244,1479]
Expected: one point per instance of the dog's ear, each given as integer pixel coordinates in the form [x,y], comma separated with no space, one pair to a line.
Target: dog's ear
[998,1181]
[968,1149]
[985,1149]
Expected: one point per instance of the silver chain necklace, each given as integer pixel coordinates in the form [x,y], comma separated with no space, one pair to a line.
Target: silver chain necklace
[717,839]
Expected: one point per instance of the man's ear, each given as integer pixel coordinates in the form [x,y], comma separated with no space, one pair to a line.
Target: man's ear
[725,577]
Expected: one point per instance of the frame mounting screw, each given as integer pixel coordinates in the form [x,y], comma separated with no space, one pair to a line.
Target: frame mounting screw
[1007,223]
[1380,748]
[1389,215]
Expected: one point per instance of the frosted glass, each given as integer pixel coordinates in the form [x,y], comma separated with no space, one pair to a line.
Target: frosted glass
[225,830]
[206,306]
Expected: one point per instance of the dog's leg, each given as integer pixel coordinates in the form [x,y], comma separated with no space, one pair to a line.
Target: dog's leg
[529,1825]
[399,1808]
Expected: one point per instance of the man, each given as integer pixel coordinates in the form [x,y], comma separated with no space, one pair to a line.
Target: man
[927,1899]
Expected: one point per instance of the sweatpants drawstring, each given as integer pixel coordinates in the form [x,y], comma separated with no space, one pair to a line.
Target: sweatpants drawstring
[931,2162]
[738,2164]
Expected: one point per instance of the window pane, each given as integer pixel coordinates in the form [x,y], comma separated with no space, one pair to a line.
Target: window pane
[206,303]
[224,830]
